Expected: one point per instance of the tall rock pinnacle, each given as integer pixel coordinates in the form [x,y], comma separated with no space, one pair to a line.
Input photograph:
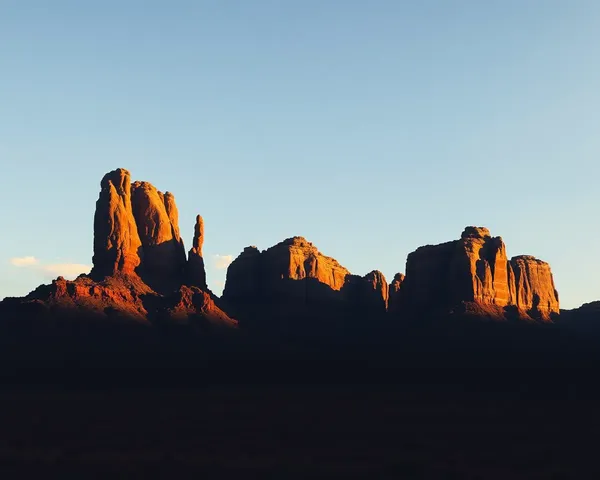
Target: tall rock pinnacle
[136,231]
[116,238]
[196,271]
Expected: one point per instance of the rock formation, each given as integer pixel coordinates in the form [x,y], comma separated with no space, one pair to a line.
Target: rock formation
[482,260]
[196,271]
[116,238]
[395,293]
[191,302]
[475,269]
[291,270]
[297,259]
[534,286]
[163,256]
[141,273]
[368,294]
[376,291]
[244,277]
[139,261]
[293,278]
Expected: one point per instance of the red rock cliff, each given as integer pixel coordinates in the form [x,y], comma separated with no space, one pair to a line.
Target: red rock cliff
[163,256]
[475,269]
[292,269]
[116,238]
[534,286]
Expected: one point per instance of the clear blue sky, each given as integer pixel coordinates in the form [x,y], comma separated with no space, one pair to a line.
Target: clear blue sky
[369,127]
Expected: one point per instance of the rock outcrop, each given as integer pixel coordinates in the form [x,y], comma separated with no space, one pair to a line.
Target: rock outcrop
[113,296]
[116,239]
[136,232]
[472,269]
[475,269]
[190,303]
[123,298]
[482,261]
[395,293]
[297,259]
[367,295]
[140,266]
[534,287]
[292,270]
[196,270]
[163,255]
[293,278]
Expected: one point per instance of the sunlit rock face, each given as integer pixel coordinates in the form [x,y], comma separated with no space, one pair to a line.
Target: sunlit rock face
[480,263]
[297,259]
[476,269]
[534,286]
[116,239]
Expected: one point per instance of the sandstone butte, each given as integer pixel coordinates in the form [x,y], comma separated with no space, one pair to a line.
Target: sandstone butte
[140,268]
[294,272]
[476,269]
[472,271]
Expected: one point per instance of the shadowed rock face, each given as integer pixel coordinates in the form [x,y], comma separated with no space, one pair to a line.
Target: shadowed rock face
[395,293]
[475,269]
[196,270]
[375,292]
[367,295]
[244,277]
[116,239]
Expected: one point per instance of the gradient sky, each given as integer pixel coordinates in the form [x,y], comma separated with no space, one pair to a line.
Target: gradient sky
[369,127]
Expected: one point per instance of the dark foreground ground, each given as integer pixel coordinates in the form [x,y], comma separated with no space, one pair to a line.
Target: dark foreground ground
[415,430]
[483,402]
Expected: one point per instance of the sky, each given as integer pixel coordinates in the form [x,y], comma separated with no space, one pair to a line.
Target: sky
[368,127]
